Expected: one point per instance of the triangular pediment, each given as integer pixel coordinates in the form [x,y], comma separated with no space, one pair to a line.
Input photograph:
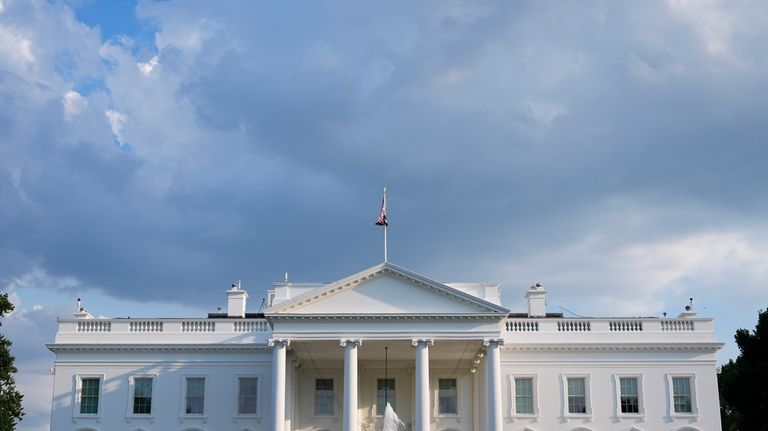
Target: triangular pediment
[386,289]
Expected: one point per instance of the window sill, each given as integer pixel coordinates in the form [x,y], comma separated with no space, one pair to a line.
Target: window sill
[191,417]
[533,417]
[134,417]
[78,417]
[694,416]
[640,416]
[587,416]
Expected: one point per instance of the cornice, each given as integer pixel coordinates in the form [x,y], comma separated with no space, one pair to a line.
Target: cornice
[596,347]
[374,316]
[75,347]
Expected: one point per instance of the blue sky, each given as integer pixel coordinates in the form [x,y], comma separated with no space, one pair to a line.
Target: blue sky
[153,152]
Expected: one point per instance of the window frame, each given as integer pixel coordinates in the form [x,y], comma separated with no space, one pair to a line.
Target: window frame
[183,398]
[259,396]
[694,413]
[131,392]
[436,394]
[587,396]
[77,393]
[376,379]
[513,395]
[640,398]
[314,397]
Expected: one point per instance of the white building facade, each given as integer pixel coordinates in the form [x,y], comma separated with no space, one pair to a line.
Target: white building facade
[330,356]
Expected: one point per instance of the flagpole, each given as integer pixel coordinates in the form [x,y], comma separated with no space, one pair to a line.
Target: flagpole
[385,227]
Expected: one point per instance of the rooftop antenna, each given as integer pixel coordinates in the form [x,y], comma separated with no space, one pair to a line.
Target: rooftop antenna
[286,277]
[574,314]
[263,300]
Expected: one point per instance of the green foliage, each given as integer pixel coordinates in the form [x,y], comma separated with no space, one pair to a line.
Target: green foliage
[10,399]
[743,383]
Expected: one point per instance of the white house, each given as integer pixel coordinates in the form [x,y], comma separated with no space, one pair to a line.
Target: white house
[328,356]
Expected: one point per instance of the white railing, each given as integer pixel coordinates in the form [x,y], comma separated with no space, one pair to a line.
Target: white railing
[677,325]
[625,325]
[250,326]
[198,326]
[522,326]
[94,326]
[645,328]
[145,326]
[574,326]
[164,326]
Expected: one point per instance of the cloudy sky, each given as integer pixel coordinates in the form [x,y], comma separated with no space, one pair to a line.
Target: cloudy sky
[152,153]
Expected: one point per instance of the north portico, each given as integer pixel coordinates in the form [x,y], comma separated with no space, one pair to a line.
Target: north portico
[387,325]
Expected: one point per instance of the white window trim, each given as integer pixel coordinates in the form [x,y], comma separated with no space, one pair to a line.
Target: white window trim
[640,396]
[78,380]
[129,414]
[376,392]
[588,397]
[183,403]
[513,397]
[671,396]
[314,396]
[237,414]
[436,394]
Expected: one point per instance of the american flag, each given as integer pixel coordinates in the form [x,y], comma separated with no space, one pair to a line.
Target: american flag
[382,220]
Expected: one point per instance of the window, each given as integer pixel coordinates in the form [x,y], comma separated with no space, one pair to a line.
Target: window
[681,392]
[577,395]
[629,395]
[247,395]
[195,396]
[324,397]
[524,395]
[447,396]
[142,395]
[89,395]
[385,393]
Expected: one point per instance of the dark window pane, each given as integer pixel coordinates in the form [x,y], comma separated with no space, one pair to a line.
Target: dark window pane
[89,395]
[447,396]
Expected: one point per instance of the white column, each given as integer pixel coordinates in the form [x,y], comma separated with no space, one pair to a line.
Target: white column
[422,383]
[350,384]
[278,382]
[493,382]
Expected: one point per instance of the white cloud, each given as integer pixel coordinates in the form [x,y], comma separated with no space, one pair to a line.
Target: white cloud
[39,278]
[712,24]
[15,49]
[117,122]
[2,6]
[74,103]
[147,68]
[544,113]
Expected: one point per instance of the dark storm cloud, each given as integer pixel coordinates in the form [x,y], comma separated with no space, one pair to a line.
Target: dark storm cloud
[261,138]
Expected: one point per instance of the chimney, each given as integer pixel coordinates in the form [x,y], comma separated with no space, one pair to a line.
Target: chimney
[688,311]
[81,312]
[236,301]
[537,301]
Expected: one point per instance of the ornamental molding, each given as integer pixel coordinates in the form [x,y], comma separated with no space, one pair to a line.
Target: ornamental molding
[352,342]
[649,347]
[373,316]
[279,342]
[483,306]
[426,342]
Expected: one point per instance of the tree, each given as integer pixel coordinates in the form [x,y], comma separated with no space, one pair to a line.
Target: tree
[743,383]
[10,399]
